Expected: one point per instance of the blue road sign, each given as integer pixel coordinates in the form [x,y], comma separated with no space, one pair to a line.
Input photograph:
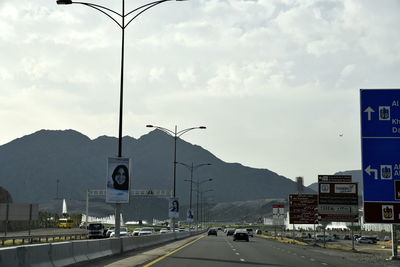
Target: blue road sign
[380,113]
[381,167]
[380,142]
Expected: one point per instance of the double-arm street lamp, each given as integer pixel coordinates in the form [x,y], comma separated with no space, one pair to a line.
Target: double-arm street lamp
[192,168]
[175,134]
[122,23]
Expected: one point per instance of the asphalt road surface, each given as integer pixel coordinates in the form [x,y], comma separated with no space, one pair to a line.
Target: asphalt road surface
[223,251]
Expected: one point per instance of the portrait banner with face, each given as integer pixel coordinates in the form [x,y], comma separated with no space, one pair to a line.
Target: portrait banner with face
[118,180]
[173,208]
[189,216]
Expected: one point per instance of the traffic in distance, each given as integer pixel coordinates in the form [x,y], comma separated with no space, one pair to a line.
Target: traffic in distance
[99,230]
[251,246]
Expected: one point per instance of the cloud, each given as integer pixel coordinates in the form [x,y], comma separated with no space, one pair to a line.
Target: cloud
[281,75]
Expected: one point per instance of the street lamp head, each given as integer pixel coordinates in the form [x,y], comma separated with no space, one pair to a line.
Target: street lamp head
[201,127]
[64,2]
[149,125]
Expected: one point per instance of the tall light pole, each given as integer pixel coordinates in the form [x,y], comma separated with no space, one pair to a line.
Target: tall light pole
[198,183]
[175,134]
[192,168]
[122,25]
[202,204]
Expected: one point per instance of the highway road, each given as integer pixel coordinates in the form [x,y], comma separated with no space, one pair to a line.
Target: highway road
[223,251]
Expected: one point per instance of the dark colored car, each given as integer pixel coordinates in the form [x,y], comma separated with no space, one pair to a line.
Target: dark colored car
[212,231]
[95,230]
[230,231]
[241,234]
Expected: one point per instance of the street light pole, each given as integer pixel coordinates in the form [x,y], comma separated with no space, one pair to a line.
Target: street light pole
[109,12]
[175,134]
[192,168]
[198,183]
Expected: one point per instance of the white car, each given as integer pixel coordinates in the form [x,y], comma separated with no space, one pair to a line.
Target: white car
[146,231]
[164,231]
[123,231]
[320,237]
[136,231]
[110,230]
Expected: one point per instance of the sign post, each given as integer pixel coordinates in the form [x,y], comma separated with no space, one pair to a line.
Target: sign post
[278,215]
[380,144]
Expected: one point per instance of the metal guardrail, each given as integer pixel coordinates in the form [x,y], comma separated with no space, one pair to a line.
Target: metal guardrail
[32,238]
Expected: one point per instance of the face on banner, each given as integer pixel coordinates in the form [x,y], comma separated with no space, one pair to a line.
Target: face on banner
[173,209]
[189,216]
[118,180]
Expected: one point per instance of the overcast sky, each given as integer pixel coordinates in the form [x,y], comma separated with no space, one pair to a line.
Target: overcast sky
[275,81]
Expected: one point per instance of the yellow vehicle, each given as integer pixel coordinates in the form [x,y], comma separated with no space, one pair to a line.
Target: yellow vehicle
[65,223]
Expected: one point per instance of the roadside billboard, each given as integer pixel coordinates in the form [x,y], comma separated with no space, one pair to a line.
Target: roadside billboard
[18,211]
[302,208]
[337,199]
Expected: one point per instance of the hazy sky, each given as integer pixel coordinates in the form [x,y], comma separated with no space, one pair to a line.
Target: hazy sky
[274,81]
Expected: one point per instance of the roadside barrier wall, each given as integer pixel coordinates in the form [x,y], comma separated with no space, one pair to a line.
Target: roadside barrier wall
[67,253]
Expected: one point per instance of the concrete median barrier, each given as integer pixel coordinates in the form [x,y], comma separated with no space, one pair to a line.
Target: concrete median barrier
[80,250]
[62,254]
[93,249]
[8,257]
[105,247]
[67,253]
[130,243]
[35,255]
[116,246]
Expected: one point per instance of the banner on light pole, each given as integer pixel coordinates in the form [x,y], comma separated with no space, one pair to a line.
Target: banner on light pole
[118,180]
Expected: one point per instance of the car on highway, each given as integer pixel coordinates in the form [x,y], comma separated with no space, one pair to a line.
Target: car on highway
[230,231]
[146,231]
[110,230]
[320,237]
[241,234]
[123,231]
[136,231]
[164,231]
[95,230]
[258,232]
[367,239]
[212,231]
[250,232]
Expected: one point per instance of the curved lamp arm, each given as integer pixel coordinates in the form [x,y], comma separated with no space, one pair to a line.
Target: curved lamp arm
[94,6]
[165,130]
[182,132]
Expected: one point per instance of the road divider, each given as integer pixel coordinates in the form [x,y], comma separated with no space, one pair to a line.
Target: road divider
[67,253]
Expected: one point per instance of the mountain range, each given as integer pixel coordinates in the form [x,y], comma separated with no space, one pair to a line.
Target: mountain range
[54,164]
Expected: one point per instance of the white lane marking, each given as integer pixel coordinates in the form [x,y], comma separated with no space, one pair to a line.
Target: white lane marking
[234,249]
[303,256]
[237,253]
[324,263]
[312,259]
[242,260]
